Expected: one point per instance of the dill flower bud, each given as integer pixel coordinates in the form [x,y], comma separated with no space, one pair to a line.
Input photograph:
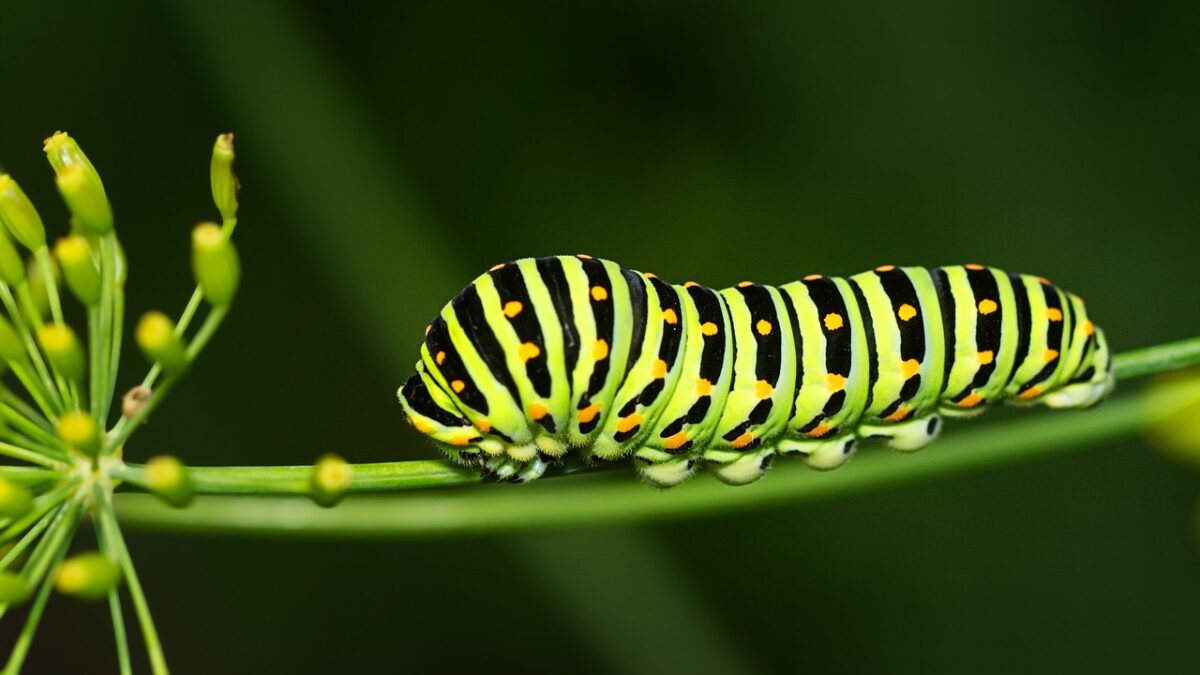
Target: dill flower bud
[11,346]
[88,576]
[84,195]
[80,432]
[63,350]
[82,275]
[156,336]
[134,400]
[167,477]
[19,216]
[12,267]
[15,500]
[329,481]
[13,589]
[215,264]
[224,180]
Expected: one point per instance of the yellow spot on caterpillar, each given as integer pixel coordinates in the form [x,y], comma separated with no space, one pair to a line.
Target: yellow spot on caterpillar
[833,321]
[626,424]
[589,413]
[458,386]
[906,312]
[703,387]
[428,327]
[836,382]
[744,284]
[422,425]
[599,293]
[709,328]
[1050,355]
[483,425]
[986,357]
[1054,314]
[974,266]
[970,401]
[1088,328]
[1043,280]
[1029,393]
[527,351]
[676,441]
[538,410]
[600,351]
[742,441]
[440,358]
[885,268]
[763,327]
[583,256]
[689,284]
[660,369]
[670,316]
[650,275]
[820,430]
[763,389]
[987,306]
[513,308]
[814,277]
[461,440]
[899,415]
[910,367]
[497,266]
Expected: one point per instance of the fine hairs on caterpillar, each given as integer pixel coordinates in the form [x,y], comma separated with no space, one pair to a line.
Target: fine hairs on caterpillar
[543,356]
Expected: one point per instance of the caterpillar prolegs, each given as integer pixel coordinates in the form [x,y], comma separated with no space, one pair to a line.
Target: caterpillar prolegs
[541,356]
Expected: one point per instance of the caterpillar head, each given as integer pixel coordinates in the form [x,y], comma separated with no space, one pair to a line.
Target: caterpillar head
[431,411]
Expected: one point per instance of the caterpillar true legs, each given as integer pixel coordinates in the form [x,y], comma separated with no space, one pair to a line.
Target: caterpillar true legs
[543,356]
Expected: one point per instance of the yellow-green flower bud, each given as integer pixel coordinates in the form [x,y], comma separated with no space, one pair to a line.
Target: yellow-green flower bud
[15,500]
[13,589]
[215,264]
[12,348]
[79,267]
[156,336]
[84,195]
[167,477]
[19,216]
[80,432]
[63,350]
[329,481]
[224,181]
[88,576]
[12,267]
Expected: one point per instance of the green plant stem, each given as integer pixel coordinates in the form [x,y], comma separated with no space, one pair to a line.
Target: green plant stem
[21,454]
[107,320]
[28,427]
[114,602]
[29,537]
[597,498]
[114,359]
[112,532]
[31,346]
[42,504]
[29,476]
[16,657]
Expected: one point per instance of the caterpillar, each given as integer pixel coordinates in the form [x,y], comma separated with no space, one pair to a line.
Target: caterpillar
[541,356]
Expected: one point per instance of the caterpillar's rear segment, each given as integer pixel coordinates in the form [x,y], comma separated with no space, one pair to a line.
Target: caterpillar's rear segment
[541,355]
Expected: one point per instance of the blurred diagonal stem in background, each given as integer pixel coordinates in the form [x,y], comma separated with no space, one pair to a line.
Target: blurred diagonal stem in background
[596,498]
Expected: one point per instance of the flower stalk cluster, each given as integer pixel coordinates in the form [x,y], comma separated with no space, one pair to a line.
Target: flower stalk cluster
[63,447]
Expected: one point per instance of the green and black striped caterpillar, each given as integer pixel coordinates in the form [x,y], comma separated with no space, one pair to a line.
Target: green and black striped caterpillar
[542,355]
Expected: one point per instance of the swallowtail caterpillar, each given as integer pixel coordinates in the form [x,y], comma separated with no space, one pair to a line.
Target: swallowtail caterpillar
[543,356]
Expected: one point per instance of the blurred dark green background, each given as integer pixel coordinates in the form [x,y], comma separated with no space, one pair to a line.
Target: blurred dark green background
[390,153]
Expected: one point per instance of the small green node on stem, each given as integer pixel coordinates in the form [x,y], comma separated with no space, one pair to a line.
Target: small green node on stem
[62,349]
[15,500]
[167,477]
[89,576]
[331,476]
[223,178]
[215,264]
[78,266]
[160,343]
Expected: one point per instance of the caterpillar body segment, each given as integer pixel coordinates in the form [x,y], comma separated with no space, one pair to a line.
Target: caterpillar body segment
[542,356]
